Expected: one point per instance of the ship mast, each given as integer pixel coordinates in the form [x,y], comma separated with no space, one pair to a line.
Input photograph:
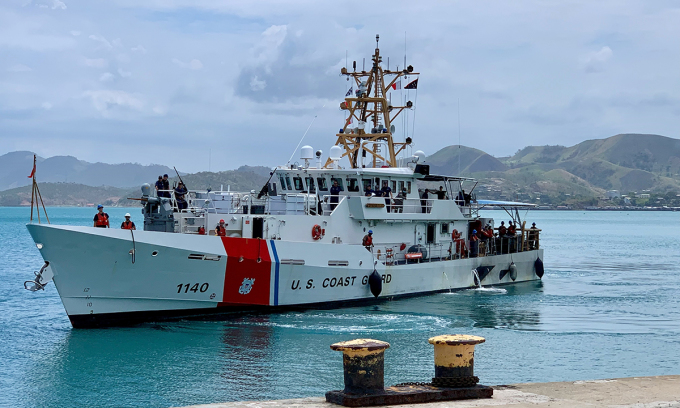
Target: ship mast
[374,114]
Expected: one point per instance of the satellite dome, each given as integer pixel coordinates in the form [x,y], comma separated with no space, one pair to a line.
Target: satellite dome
[306,152]
[336,153]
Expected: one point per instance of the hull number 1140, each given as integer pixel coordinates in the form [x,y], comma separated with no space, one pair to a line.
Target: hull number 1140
[196,287]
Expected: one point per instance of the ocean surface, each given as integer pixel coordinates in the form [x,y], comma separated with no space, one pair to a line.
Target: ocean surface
[608,306]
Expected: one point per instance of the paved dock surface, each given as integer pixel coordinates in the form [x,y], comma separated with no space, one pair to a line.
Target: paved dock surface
[635,392]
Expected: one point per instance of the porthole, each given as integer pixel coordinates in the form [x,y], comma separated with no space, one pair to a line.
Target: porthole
[154,253]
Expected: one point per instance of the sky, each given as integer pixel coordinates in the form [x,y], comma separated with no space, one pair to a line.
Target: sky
[213,85]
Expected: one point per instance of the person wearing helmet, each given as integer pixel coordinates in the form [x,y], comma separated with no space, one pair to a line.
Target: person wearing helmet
[101,219]
[127,224]
[220,229]
[474,244]
[367,241]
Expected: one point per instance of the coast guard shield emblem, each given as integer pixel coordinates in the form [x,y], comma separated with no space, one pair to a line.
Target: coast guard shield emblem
[246,286]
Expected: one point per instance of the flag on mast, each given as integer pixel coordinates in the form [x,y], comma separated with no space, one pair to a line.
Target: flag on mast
[32,171]
[349,92]
[412,85]
[396,85]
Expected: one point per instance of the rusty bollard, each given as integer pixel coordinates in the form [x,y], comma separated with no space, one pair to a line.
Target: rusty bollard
[454,360]
[364,365]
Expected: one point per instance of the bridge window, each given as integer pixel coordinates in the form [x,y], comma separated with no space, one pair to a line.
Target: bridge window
[282,179]
[352,185]
[367,184]
[297,181]
[310,184]
[401,187]
[323,186]
[339,180]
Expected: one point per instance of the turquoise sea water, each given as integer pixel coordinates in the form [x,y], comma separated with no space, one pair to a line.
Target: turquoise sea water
[608,306]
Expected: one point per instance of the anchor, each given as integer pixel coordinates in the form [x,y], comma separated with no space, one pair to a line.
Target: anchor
[38,283]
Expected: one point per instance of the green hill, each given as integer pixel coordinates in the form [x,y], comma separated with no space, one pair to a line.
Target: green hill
[70,194]
[446,161]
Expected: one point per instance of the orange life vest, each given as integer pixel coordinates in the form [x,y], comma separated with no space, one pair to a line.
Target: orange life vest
[102,220]
[127,225]
[220,231]
[368,241]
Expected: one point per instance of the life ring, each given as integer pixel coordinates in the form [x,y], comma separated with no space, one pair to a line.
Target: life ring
[316,232]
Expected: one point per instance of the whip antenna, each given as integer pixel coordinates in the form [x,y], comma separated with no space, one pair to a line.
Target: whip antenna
[303,136]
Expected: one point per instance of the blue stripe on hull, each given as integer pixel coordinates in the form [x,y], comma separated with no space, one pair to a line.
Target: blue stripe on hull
[276,274]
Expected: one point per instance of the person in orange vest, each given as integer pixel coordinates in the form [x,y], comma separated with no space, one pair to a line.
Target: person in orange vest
[201,230]
[127,224]
[101,219]
[474,244]
[367,241]
[512,228]
[220,229]
[502,230]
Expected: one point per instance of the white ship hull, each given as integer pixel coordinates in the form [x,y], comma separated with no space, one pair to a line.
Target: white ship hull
[117,277]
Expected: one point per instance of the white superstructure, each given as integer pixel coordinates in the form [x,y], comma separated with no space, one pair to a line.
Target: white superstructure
[298,242]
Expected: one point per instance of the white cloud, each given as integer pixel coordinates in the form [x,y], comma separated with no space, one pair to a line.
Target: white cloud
[56,4]
[257,84]
[46,105]
[124,74]
[193,64]
[75,33]
[103,41]
[106,100]
[106,77]
[96,62]
[140,49]
[159,110]
[594,61]
[19,68]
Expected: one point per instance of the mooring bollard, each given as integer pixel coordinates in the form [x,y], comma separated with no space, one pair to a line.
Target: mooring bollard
[454,360]
[364,365]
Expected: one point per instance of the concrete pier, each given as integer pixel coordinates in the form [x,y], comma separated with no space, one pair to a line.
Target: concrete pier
[635,392]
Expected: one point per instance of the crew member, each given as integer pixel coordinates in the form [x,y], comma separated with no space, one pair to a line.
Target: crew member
[180,191]
[368,192]
[377,191]
[533,236]
[166,186]
[441,194]
[127,224]
[201,230]
[502,230]
[159,187]
[335,192]
[101,219]
[423,200]
[399,201]
[220,229]
[367,242]
[474,244]
[386,191]
[512,228]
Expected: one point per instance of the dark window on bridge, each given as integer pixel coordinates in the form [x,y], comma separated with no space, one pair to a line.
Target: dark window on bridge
[322,183]
[352,185]
[298,183]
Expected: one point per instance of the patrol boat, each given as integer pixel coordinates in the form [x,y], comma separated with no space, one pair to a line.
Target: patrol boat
[300,241]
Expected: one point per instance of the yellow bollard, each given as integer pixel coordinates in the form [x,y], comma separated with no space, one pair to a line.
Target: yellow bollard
[454,359]
[364,365]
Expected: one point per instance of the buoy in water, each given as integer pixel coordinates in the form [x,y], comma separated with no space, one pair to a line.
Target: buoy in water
[538,267]
[375,283]
[513,271]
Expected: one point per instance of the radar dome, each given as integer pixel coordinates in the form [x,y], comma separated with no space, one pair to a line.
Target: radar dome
[336,153]
[307,153]
[420,155]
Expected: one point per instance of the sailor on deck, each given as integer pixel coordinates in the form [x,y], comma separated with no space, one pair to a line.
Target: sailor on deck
[367,241]
[335,192]
[127,224]
[101,219]
[220,229]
